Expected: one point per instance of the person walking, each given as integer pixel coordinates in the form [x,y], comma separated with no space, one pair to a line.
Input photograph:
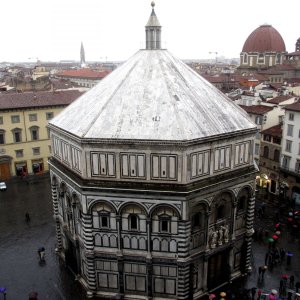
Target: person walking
[259,292]
[253,292]
[27,218]
[292,280]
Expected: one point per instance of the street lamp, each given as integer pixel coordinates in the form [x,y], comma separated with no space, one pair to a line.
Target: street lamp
[3,291]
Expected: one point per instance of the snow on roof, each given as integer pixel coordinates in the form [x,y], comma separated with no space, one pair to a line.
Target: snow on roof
[153,96]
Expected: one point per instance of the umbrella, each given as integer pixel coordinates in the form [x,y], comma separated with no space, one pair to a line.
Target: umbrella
[285,276]
[2,290]
[222,294]
[290,213]
[41,249]
[270,240]
[222,299]
[212,296]
[277,225]
[290,219]
[274,292]
[289,253]
[275,237]
[277,232]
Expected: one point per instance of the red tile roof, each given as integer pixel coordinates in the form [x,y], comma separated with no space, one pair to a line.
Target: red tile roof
[280,99]
[256,109]
[274,131]
[264,38]
[294,106]
[38,99]
[83,73]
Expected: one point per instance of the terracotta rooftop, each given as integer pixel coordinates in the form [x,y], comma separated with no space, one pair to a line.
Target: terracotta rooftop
[294,106]
[83,73]
[280,99]
[256,109]
[38,99]
[274,131]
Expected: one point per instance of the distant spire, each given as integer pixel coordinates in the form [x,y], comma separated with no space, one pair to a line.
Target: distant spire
[298,45]
[82,56]
[153,31]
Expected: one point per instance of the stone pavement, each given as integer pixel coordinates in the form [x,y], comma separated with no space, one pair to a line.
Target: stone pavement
[290,242]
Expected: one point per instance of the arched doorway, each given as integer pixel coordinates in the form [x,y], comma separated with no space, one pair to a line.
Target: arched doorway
[218,269]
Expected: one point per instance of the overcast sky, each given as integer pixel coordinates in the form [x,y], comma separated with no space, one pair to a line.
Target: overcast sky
[115,29]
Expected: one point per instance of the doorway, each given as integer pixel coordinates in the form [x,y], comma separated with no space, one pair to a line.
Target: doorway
[218,271]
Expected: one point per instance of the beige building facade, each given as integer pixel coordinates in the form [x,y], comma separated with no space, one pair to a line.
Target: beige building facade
[24,138]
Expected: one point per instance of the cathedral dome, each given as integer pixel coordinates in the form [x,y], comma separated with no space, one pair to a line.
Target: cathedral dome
[264,39]
[152,96]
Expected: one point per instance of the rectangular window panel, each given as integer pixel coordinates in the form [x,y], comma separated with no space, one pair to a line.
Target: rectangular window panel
[170,286]
[111,164]
[247,152]
[194,165]
[172,167]
[200,163]
[124,165]
[227,157]
[159,285]
[155,166]
[102,164]
[217,154]
[236,156]
[141,165]
[132,159]
[102,280]
[113,281]
[242,154]
[95,163]
[222,158]
[163,167]
[206,162]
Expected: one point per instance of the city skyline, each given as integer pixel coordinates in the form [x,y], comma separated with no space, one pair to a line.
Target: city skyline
[115,30]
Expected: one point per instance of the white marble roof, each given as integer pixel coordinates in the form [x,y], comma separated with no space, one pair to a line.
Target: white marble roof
[153,96]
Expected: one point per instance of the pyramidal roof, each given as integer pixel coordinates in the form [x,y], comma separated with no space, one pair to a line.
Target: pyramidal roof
[153,96]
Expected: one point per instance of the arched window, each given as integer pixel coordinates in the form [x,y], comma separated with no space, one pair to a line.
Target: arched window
[2,136]
[17,135]
[278,58]
[198,220]
[34,131]
[220,212]
[261,59]
[245,60]
[241,205]
[133,222]
[276,155]
[266,152]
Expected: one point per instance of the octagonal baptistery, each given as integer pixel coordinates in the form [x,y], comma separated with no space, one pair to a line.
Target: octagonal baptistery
[263,48]
[152,182]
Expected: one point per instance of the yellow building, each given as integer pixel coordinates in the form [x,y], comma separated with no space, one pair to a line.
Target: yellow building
[24,138]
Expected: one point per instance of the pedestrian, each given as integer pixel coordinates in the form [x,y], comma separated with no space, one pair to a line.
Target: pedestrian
[27,217]
[259,294]
[263,271]
[253,292]
[297,285]
[292,279]
[290,294]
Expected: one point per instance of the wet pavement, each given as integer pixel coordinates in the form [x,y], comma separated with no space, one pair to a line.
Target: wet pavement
[20,270]
[274,208]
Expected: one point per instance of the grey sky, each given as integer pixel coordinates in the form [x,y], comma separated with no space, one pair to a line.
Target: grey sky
[114,29]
